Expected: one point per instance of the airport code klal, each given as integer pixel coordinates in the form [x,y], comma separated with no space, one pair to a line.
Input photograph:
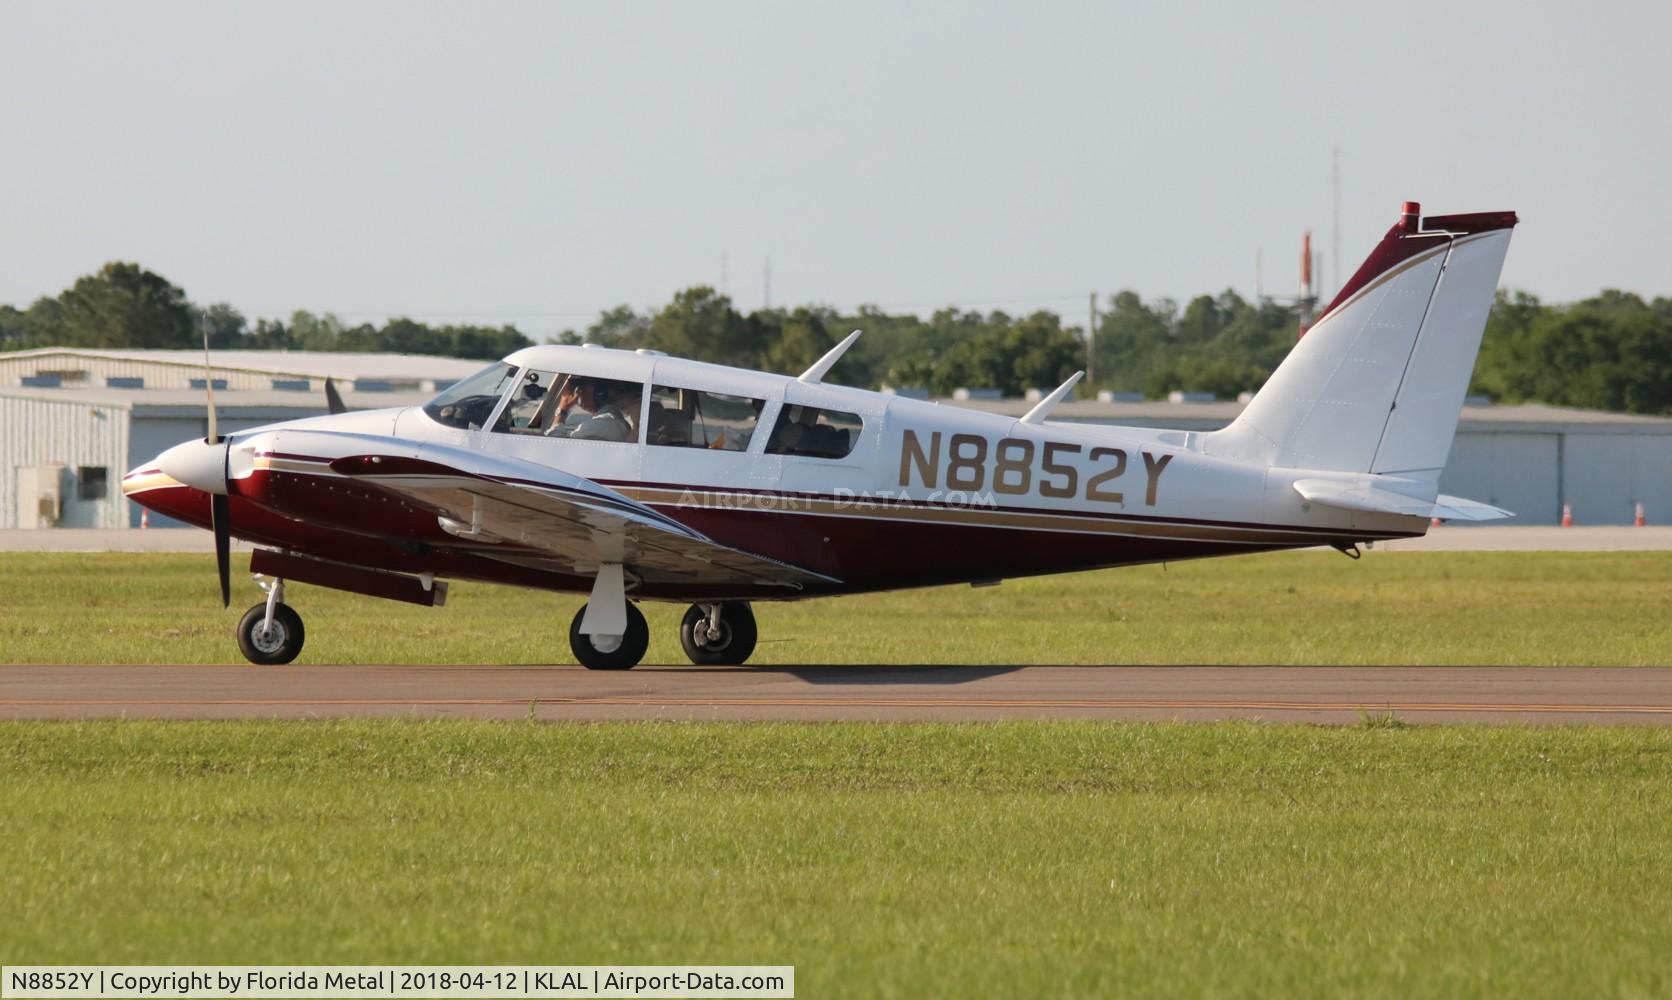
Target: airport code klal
[388,981]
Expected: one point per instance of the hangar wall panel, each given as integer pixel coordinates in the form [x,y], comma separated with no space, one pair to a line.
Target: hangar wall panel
[149,437]
[1515,471]
[1468,471]
[1599,477]
[36,433]
[1652,457]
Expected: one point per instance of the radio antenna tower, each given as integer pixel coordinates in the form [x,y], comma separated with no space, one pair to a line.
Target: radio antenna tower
[1335,218]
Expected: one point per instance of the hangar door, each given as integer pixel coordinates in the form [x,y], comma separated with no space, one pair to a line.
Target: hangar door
[1603,478]
[1510,470]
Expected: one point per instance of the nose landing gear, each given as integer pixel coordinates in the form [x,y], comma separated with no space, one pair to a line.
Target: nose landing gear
[271,632]
[718,634]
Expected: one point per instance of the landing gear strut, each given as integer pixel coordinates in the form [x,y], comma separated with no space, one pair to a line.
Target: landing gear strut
[718,634]
[271,632]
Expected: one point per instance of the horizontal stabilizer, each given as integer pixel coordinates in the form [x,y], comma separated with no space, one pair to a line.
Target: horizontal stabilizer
[1374,499]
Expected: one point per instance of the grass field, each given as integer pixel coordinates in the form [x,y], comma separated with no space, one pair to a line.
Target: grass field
[952,860]
[1583,608]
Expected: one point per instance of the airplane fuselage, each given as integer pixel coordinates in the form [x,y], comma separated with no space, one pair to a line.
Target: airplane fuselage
[926,494]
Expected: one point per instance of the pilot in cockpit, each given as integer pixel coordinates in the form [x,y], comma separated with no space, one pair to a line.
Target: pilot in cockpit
[607,400]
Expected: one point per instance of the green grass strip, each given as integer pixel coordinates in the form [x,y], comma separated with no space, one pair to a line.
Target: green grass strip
[896,860]
[1513,608]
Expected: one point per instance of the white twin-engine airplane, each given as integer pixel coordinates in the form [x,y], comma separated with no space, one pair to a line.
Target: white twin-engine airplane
[633,476]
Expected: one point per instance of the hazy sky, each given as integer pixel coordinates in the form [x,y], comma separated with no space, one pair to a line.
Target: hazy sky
[536,163]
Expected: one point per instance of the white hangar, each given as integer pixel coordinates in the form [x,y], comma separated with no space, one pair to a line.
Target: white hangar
[72,421]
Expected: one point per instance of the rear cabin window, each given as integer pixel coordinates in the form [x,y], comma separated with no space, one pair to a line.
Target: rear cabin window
[469,403]
[814,433]
[582,407]
[693,418]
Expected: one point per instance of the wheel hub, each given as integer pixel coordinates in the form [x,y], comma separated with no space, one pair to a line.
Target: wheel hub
[270,639]
[714,637]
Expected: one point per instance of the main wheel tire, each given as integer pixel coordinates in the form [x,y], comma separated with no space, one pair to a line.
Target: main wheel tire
[736,640]
[622,657]
[275,646]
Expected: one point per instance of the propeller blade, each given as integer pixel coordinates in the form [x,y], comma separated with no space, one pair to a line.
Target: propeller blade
[220,512]
[209,383]
[333,399]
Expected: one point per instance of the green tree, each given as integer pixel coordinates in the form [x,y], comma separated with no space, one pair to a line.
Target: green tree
[483,343]
[794,341]
[700,323]
[618,327]
[14,329]
[124,305]
[227,327]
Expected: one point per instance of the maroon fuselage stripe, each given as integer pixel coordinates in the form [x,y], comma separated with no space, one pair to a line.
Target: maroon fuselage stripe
[340,519]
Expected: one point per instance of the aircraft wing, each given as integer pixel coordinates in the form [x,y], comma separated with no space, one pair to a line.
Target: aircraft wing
[529,514]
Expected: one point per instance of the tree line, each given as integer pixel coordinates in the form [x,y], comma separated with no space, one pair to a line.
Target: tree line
[1612,351]
[126,306]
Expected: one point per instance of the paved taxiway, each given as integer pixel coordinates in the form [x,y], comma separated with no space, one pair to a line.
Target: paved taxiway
[1547,695]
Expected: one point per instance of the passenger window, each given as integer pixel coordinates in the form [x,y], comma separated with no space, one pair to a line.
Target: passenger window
[692,418]
[582,407]
[815,433]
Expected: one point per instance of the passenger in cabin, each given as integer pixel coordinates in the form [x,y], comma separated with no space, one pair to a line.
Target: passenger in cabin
[807,430]
[607,400]
[794,433]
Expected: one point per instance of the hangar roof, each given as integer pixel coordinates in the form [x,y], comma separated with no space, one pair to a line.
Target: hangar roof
[189,402]
[315,364]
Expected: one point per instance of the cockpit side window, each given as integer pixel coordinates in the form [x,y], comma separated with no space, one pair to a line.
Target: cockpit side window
[469,402]
[581,407]
[694,418]
[815,433]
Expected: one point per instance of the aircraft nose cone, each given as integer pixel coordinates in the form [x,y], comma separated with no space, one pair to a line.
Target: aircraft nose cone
[198,464]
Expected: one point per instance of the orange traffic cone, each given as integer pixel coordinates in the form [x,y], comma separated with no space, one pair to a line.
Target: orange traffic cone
[145,519]
[1639,521]
[1567,515]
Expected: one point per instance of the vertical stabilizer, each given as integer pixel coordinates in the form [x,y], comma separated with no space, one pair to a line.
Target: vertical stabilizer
[1377,383]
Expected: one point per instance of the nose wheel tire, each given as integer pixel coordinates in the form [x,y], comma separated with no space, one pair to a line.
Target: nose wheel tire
[271,646]
[734,641]
[596,652]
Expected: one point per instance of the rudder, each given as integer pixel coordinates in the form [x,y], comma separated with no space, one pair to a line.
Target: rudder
[1377,383]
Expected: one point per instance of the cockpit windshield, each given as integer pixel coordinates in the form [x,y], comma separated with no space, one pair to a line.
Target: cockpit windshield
[468,403]
[581,407]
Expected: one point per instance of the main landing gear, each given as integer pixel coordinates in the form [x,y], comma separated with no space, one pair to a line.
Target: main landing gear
[604,635]
[609,633]
[621,651]
[718,634]
[271,632]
